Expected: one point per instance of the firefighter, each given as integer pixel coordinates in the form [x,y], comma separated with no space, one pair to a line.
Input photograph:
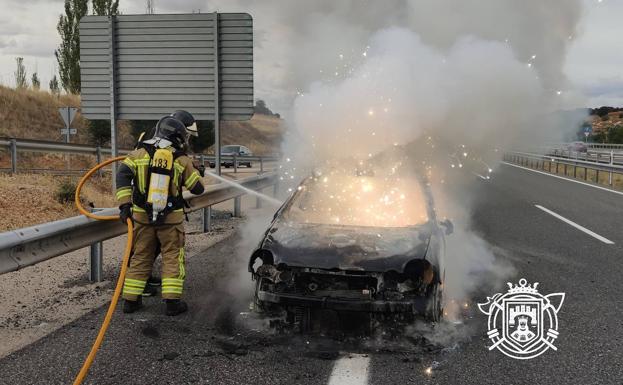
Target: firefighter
[153,283]
[149,190]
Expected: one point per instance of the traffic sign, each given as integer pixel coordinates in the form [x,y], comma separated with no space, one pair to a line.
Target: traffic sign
[68,114]
[72,131]
[143,67]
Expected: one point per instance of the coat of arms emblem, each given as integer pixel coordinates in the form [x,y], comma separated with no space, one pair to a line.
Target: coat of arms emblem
[523,323]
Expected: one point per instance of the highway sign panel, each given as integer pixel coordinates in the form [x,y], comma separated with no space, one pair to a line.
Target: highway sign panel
[142,67]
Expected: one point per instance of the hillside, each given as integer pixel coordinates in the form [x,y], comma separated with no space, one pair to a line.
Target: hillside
[603,123]
[28,199]
[33,114]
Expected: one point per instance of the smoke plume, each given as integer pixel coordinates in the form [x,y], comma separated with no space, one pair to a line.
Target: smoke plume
[461,78]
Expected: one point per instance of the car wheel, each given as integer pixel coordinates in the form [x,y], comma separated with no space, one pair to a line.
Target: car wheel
[434,307]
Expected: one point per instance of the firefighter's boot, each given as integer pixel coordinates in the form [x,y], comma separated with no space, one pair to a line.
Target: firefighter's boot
[151,288]
[132,306]
[175,307]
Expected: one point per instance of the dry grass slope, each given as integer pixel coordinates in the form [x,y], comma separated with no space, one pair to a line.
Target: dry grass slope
[28,199]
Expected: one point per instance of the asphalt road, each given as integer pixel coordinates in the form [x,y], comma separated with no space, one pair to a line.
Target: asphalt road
[218,343]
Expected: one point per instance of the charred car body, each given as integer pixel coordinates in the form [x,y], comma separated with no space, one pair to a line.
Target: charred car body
[309,265]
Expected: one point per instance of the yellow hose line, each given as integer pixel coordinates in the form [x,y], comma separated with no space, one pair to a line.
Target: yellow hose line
[124,267]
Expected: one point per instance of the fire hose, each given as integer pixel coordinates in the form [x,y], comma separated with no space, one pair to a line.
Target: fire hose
[124,267]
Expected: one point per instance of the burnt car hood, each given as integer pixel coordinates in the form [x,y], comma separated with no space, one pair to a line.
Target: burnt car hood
[346,247]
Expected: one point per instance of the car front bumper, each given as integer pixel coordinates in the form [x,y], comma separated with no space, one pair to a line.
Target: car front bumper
[413,305]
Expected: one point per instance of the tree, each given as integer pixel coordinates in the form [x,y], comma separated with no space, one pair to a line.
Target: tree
[260,108]
[205,139]
[99,131]
[137,127]
[54,86]
[615,134]
[20,73]
[68,52]
[105,7]
[36,83]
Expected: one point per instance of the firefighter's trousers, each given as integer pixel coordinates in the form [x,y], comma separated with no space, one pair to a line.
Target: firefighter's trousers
[146,238]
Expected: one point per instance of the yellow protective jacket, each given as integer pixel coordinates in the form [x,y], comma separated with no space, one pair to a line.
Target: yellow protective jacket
[132,183]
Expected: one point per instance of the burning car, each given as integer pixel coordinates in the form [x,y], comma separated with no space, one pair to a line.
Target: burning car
[352,245]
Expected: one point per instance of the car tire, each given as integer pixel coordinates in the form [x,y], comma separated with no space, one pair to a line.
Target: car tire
[434,307]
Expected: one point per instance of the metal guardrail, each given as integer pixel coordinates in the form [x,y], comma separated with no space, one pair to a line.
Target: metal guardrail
[609,157]
[31,245]
[16,145]
[607,146]
[539,161]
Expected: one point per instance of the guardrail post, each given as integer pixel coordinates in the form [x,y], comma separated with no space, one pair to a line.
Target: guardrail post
[596,176]
[98,159]
[261,165]
[237,207]
[202,159]
[13,156]
[206,218]
[96,262]
[611,163]
[235,164]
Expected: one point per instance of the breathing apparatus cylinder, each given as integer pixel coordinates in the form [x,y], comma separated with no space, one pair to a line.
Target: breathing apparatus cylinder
[160,177]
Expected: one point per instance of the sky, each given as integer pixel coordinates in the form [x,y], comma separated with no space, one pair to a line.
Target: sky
[594,64]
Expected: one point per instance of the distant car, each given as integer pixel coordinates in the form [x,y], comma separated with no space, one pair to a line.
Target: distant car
[239,152]
[312,262]
[577,147]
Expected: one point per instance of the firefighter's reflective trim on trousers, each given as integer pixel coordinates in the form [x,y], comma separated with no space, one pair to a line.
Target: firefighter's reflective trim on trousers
[182,263]
[133,286]
[172,286]
[175,286]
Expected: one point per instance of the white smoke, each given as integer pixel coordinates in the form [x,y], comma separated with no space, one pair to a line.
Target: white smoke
[299,42]
[355,78]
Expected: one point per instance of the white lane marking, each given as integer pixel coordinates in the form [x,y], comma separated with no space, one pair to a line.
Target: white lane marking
[352,369]
[584,229]
[563,178]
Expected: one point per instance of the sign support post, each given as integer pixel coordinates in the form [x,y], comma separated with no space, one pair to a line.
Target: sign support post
[217,97]
[113,107]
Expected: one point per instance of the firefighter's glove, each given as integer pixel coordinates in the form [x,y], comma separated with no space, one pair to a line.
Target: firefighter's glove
[125,212]
[202,170]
